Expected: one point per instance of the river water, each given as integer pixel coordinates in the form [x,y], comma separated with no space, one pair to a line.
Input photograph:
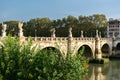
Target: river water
[109,71]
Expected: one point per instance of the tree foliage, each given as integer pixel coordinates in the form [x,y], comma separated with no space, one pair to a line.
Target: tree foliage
[21,62]
[42,26]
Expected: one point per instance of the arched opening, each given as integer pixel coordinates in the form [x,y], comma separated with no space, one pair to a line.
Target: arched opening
[87,51]
[118,46]
[105,50]
[117,49]
[52,51]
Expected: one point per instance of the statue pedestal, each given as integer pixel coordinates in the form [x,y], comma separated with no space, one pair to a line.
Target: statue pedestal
[22,39]
[21,34]
[4,34]
[53,35]
[70,35]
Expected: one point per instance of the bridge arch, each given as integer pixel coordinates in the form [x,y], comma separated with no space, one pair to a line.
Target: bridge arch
[118,46]
[50,48]
[54,49]
[87,52]
[105,49]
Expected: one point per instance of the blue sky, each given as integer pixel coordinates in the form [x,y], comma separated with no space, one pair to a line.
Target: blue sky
[24,10]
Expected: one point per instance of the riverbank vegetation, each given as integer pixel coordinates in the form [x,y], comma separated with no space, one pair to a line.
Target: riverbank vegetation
[21,62]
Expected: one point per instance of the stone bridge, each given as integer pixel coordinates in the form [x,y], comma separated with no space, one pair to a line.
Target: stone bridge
[95,47]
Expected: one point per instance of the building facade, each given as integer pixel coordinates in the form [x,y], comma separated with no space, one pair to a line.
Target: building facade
[113,30]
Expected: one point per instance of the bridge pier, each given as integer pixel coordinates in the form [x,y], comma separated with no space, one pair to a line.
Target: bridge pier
[113,44]
[113,47]
[98,54]
[69,50]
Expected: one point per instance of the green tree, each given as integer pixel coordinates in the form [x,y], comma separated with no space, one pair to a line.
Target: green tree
[38,27]
[21,62]
[99,20]
[42,26]
[12,27]
[71,20]
[9,59]
[89,24]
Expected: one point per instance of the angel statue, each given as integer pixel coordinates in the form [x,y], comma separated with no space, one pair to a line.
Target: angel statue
[53,32]
[70,32]
[4,27]
[82,33]
[97,33]
[20,25]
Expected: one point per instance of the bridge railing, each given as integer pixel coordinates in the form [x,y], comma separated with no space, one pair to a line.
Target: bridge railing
[63,38]
[105,38]
[46,38]
[88,38]
[85,38]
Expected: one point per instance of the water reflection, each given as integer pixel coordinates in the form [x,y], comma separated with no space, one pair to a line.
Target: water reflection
[110,71]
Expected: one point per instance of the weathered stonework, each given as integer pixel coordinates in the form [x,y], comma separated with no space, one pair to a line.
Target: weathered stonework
[68,44]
